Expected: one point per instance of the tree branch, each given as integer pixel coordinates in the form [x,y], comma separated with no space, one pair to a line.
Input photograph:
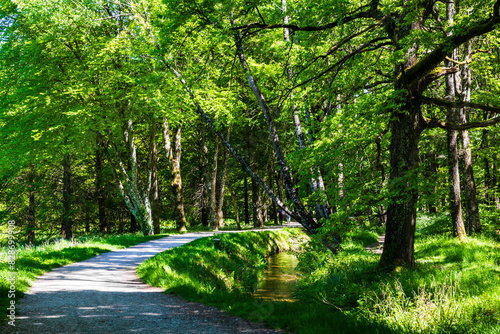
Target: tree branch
[436,123]
[434,58]
[371,12]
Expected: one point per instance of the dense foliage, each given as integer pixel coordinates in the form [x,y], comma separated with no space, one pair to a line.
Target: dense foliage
[336,112]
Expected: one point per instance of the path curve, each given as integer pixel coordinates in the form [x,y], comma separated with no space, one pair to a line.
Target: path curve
[104,295]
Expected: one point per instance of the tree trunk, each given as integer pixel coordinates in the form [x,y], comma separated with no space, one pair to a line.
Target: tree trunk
[235,205]
[274,211]
[67,231]
[401,213]
[453,166]
[247,215]
[301,214]
[474,221]
[156,196]
[212,189]
[203,177]
[221,188]
[99,184]
[137,198]
[133,224]
[177,184]
[31,208]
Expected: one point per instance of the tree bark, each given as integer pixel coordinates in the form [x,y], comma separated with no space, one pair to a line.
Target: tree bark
[156,195]
[134,192]
[473,219]
[452,137]
[220,191]
[99,184]
[401,213]
[203,177]
[67,230]
[177,184]
[301,214]
[212,189]
[247,215]
[31,207]
[235,205]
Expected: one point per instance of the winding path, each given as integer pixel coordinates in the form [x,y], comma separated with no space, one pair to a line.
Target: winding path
[104,295]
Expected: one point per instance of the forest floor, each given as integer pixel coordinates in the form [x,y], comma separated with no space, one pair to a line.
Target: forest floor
[104,295]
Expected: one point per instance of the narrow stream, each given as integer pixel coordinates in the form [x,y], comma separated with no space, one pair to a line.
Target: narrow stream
[278,283]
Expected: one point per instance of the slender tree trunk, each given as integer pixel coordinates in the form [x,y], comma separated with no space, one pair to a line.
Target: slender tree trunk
[453,165]
[235,205]
[32,207]
[212,189]
[315,183]
[301,214]
[257,204]
[156,196]
[137,198]
[177,183]
[274,211]
[203,177]
[474,221]
[67,230]
[221,187]
[247,215]
[99,184]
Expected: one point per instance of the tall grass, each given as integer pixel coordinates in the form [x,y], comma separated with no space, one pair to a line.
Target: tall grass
[454,287]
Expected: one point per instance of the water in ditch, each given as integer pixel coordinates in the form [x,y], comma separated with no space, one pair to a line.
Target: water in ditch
[278,283]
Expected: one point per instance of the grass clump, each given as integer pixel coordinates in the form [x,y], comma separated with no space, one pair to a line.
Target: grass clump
[34,260]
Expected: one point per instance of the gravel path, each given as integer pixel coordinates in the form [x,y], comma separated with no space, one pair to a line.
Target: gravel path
[104,295]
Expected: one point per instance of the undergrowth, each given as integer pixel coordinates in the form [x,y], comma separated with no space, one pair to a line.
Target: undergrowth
[453,288]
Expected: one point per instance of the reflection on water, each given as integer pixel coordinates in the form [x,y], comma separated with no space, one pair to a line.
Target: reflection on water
[280,277]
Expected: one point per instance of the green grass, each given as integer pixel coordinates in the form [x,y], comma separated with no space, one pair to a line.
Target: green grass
[225,275]
[453,288]
[33,261]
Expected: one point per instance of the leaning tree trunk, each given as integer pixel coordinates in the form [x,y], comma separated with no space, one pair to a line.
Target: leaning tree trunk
[67,231]
[316,183]
[300,214]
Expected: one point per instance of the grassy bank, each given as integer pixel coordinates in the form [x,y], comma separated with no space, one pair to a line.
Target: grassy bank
[454,287]
[224,273]
[33,261]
